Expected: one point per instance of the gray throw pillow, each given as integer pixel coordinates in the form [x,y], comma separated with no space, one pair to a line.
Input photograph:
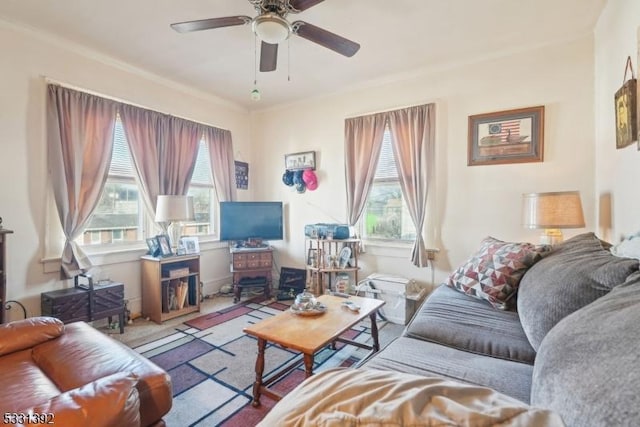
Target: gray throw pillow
[587,369]
[576,272]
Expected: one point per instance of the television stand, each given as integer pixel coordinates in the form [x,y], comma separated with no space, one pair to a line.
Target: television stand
[240,248]
[251,268]
[251,243]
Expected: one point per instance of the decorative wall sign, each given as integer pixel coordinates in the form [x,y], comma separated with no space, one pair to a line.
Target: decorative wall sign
[242,175]
[626,107]
[298,161]
[512,136]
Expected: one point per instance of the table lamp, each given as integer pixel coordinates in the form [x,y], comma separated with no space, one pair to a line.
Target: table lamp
[552,212]
[172,211]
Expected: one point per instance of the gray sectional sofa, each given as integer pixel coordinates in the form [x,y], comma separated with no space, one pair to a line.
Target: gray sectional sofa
[569,346]
[572,346]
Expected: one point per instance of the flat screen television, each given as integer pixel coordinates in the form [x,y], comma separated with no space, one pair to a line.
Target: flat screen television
[251,220]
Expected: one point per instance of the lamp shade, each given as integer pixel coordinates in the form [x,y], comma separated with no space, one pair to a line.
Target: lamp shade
[271,28]
[561,209]
[174,208]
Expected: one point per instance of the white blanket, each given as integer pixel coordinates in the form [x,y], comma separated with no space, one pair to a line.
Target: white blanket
[360,397]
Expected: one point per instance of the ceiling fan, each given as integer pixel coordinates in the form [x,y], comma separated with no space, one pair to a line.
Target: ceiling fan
[272,27]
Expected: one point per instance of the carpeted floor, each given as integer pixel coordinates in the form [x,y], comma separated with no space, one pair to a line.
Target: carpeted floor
[211,363]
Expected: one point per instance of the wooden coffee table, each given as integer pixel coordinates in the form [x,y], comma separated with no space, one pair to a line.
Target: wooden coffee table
[308,335]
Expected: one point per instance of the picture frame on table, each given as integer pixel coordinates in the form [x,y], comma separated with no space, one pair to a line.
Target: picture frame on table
[164,244]
[503,137]
[344,257]
[299,161]
[188,245]
[154,246]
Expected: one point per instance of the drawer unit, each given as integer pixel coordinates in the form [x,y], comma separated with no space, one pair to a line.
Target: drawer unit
[251,268]
[240,261]
[262,261]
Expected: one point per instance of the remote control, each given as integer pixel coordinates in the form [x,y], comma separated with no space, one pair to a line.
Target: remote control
[341,295]
[351,305]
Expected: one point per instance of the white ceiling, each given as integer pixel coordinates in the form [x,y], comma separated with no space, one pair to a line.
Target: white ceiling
[397,37]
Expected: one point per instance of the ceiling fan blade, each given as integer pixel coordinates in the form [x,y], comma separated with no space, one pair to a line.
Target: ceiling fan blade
[268,57]
[325,38]
[301,5]
[207,24]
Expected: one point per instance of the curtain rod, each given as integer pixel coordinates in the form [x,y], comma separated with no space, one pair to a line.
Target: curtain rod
[122,101]
[387,110]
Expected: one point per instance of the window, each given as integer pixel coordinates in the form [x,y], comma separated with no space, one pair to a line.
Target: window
[202,191]
[386,216]
[117,235]
[117,217]
[96,237]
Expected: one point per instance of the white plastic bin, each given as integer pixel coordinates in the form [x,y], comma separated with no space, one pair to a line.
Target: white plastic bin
[401,295]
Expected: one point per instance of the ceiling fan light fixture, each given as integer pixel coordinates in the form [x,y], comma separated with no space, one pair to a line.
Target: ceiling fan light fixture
[271,28]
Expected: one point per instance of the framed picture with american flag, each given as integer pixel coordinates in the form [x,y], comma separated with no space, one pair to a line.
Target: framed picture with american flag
[511,136]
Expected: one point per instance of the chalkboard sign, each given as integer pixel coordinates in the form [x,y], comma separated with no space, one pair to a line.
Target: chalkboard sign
[242,175]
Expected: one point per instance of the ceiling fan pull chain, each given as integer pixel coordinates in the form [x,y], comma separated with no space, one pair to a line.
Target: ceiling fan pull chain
[255,93]
[288,60]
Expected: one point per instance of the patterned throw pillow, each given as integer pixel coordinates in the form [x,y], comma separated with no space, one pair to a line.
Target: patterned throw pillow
[494,272]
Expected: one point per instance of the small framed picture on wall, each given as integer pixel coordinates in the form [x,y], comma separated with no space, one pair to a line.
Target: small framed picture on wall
[242,175]
[298,161]
[511,136]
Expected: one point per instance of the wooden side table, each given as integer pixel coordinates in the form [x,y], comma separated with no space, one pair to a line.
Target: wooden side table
[251,268]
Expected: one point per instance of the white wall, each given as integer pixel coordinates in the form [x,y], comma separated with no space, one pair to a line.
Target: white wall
[27,58]
[472,202]
[617,35]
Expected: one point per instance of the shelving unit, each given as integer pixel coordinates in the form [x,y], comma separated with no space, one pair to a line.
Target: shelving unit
[3,272]
[323,263]
[161,278]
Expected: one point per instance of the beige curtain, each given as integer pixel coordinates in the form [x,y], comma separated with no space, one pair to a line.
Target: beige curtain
[80,130]
[413,141]
[222,164]
[363,142]
[164,150]
[178,150]
[142,128]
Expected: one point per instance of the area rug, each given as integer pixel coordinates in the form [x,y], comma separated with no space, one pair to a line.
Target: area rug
[211,363]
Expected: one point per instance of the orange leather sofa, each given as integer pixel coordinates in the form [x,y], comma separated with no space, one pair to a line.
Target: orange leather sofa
[73,375]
